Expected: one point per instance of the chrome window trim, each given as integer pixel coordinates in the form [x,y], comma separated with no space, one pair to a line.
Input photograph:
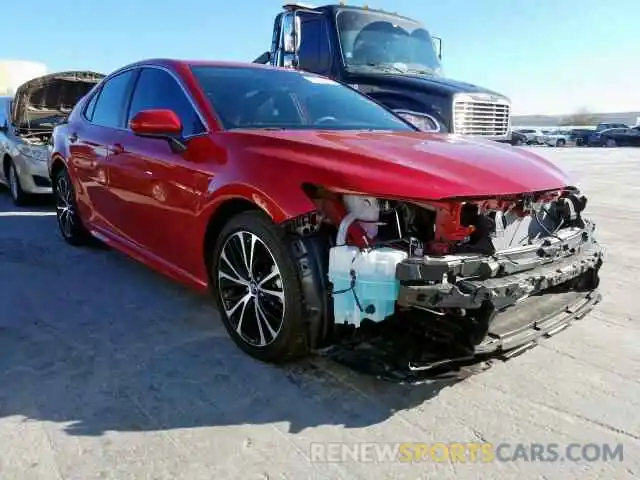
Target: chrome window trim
[176,78]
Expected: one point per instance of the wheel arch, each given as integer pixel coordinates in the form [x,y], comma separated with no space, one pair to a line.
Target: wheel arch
[308,251]
[56,165]
[6,160]
[217,220]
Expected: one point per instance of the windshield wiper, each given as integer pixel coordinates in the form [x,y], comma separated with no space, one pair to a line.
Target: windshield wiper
[422,71]
[378,66]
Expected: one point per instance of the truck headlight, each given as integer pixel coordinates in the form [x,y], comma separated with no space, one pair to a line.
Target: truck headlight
[422,121]
[40,154]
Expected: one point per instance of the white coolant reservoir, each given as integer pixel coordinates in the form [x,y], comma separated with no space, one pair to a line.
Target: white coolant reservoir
[364,282]
[365,209]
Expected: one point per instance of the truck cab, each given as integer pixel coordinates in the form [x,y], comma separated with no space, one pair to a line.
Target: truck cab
[390,58]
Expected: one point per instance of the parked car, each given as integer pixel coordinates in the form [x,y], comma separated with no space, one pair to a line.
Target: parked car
[616,137]
[26,123]
[558,138]
[307,208]
[534,136]
[518,138]
[580,136]
[607,126]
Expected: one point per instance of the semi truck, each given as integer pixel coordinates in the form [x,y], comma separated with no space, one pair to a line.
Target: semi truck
[391,58]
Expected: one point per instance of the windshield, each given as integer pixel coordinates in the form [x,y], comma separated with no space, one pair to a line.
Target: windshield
[383,41]
[269,98]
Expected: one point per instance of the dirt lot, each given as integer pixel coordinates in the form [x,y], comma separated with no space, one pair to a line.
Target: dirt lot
[108,370]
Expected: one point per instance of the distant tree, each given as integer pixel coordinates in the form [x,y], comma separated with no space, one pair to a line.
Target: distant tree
[581,117]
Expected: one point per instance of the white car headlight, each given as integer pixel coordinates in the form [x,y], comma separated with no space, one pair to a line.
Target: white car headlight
[40,154]
[424,122]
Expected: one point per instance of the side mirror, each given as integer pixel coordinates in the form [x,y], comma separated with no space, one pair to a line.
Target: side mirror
[292,33]
[437,44]
[159,123]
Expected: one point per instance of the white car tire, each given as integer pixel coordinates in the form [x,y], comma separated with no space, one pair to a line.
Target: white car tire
[18,195]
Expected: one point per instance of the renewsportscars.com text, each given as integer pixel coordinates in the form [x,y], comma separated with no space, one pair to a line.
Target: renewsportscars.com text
[410,452]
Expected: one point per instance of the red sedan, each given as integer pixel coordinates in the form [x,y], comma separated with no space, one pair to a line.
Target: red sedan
[304,206]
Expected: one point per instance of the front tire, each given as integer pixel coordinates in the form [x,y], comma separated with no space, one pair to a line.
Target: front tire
[69,222]
[560,143]
[611,142]
[258,289]
[18,195]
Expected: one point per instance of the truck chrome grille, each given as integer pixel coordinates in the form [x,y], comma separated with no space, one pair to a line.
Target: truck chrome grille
[481,117]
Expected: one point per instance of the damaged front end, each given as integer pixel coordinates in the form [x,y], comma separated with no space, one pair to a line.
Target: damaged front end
[421,288]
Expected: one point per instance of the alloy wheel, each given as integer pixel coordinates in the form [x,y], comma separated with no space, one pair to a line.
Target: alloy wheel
[251,288]
[65,210]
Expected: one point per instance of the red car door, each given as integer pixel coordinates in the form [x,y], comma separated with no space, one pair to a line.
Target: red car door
[87,153]
[158,189]
[90,144]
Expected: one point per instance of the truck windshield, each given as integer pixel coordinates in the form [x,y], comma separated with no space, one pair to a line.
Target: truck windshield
[385,42]
[249,97]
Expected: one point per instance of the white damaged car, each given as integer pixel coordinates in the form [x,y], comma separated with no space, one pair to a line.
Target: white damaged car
[26,123]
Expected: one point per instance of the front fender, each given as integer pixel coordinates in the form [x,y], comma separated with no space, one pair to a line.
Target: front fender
[280,204]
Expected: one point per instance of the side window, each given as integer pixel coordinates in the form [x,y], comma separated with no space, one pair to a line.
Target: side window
[314,47]
[109,108]
[4,108]
[157,88]
[91,105]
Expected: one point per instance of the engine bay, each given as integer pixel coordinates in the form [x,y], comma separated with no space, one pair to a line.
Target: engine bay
[446,270]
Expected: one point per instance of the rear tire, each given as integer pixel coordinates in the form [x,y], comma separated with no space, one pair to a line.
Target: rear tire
[69,222]
[18,195]
[258,289]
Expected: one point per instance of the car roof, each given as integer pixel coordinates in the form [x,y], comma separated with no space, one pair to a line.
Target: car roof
[174,63]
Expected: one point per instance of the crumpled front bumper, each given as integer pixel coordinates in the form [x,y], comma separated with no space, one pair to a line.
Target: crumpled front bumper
[522,294]
[458,314]
[469,281]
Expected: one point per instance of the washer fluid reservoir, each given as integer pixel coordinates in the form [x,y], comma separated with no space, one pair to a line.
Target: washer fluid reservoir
[364,282]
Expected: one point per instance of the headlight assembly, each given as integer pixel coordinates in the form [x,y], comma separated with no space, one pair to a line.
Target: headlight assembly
[422,121]
[40,154]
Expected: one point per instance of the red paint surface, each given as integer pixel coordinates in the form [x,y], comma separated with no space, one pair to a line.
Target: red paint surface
[154,204]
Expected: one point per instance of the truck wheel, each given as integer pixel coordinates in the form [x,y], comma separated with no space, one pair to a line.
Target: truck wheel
[258,289]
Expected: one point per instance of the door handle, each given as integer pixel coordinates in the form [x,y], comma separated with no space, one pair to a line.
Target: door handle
[73,138]
[117,149]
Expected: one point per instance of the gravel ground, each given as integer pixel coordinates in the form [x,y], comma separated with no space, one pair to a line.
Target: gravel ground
[108,370]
